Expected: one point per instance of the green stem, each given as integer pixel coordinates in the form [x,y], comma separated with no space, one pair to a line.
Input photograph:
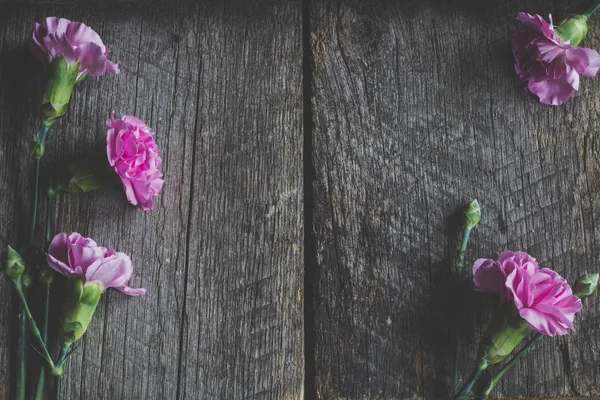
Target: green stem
[46,279]
[35,199]
[32,325]
[536,337]
[21,376]
[460,262]
[64,350]
[455,367]
[592,10]
[41,381]
[468,386]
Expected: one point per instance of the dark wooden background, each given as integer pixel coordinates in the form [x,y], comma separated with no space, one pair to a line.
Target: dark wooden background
[317,155]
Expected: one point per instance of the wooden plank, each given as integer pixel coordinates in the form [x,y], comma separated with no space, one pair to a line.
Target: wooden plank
[221,255]
[243,329]
[12,96]
[132,349]
[416,110]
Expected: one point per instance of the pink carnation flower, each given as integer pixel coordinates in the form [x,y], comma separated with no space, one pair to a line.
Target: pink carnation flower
[550,67]
[542,297]
[75,255]
[75,41]
[133,154]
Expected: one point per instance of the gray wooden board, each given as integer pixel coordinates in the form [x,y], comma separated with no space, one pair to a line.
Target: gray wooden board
[222,253]
[416,110]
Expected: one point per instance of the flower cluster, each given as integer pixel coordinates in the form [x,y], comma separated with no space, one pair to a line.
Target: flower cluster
[72,51]
[535,302]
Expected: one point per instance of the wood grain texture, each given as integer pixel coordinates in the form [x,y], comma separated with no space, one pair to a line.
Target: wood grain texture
[221,254]
[245,272]
[417,110]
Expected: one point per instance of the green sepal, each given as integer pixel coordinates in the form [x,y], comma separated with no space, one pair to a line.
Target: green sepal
[93,173]
[82,300]
[573,30]
[61,82]
[81,78]
[504,334]
[15,266]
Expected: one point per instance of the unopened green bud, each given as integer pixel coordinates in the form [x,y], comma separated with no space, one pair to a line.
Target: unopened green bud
[586,285]
[573,29]
[81,304]
[46,275]
[15,266]
[472,214]
[93,173]
[505,333]
[62,80]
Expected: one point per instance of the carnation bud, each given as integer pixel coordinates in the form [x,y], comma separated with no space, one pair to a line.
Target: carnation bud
[506,331]
[586,285]
[93,173]
[473,214]
[15,266]
[573,29]
[472,218]
[82,300]
[63,78]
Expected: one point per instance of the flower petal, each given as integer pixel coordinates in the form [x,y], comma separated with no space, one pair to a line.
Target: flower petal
[113,272]
[131,291]
[584,61]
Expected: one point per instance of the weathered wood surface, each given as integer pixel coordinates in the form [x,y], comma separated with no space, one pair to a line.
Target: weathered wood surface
[222,253]
[417,109]
[411,109]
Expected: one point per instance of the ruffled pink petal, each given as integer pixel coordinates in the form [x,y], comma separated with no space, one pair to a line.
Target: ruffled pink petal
[79,33]
[145,190]
[554,312]
[58,44]
[92,59]
[111,152]
[541,323]
[584,61]
[135,122]
[59,248]
[513,280]
[131,291]
[548,51]
[112,67]
[56,25]
[488,277]
[113,272]
[538,24]
[554,91]
[59,266]
[77,238]
[84,256]
[525,289]
[36,43]
[129,192]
